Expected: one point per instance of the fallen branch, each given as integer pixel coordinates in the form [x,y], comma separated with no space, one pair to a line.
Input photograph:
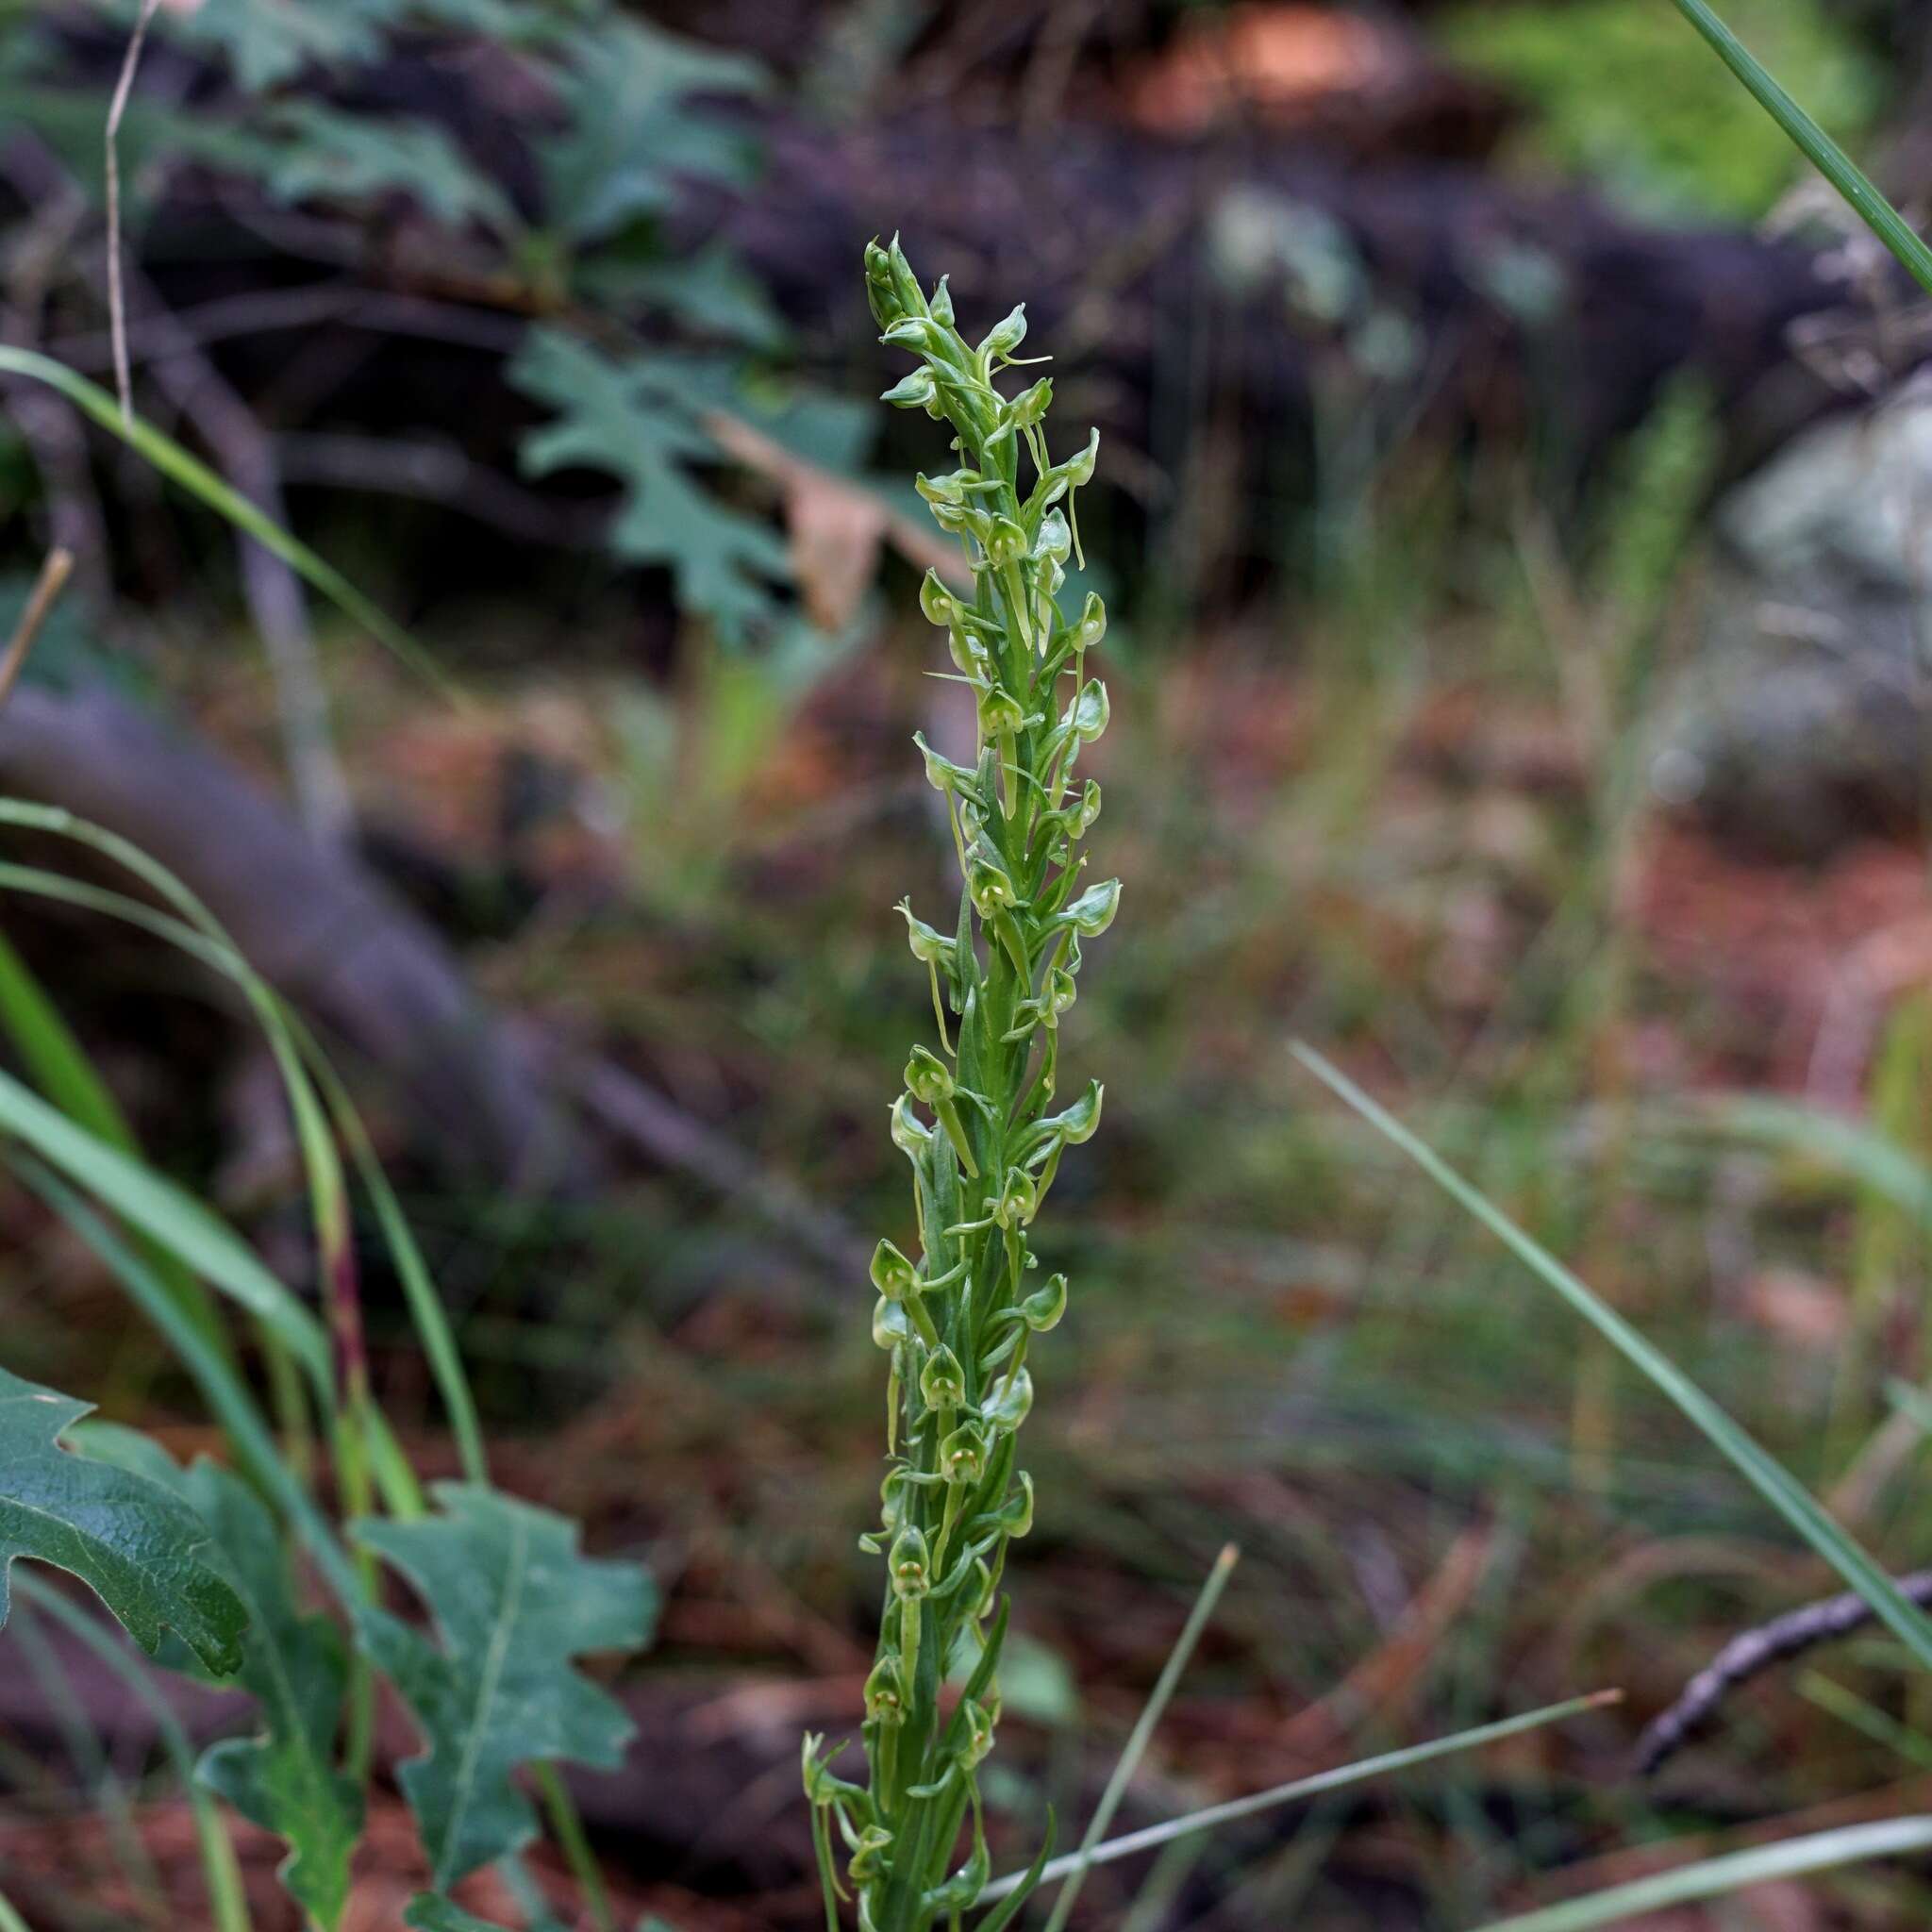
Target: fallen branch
[1755,1651]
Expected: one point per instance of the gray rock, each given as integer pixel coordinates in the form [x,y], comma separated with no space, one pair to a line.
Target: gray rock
[1807,717]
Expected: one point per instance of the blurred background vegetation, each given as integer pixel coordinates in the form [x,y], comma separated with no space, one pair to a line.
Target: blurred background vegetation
[1512,481]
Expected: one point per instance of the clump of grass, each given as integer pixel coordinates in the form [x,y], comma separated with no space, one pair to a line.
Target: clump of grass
[957,1319]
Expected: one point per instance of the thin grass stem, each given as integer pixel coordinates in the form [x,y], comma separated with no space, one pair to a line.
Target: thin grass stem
[1154,1836]
[1142,1733]
[1771,1480]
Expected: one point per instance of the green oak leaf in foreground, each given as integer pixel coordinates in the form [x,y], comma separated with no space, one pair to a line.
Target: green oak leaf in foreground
[513,1603]
[136,1546]
[296,1667]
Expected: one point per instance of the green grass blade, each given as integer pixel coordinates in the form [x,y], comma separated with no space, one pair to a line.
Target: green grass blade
[188,472]
[1142,1733]
[1815,145]
[57,1064]
[55,1060]
[1153,1836]
[1865,1717]
[209,943]
[1768,1478]
[1713,1877]
[169,1215]
[1872,1159]
[226,1395]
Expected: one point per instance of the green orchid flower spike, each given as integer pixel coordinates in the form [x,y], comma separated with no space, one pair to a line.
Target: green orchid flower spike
[957,1311]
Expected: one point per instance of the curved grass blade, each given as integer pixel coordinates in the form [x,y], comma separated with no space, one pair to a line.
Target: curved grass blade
[225,1394]
[1713,1877]
[1815,145]
[59,1065]
[211,944]
[1771,1480]
[191,473]
[1153,1836]
[1020,1890]
[169,1215]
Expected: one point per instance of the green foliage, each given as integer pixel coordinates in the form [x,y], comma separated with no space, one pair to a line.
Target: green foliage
[629,129]
[267,42]
[322,153]
[138,1548]
[1614,98]
[185,471]
[513,1603]
[296,1667]
[1815,143]
[637,419]
[632,117]
[956,1322]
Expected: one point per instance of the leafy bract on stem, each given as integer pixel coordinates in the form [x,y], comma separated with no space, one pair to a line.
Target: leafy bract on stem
[957,1306]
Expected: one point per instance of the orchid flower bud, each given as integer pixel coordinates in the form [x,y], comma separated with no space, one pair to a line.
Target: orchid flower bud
[1005,541]
[882,291]
[891,1326]
[1007,1406]
[910,1135]
[941,773]
[1031,403]
[1076,1124]
[962,1455]
[1054,542]
[914,391]
[909,1566]
[915,332]
[927,1077]
[941,304]
[1044,1308]
[930,946]
[1088,810]
[1079,468]
[1005,336]
[1015,1515]
[928,1081]
[950,488]
[893,1274]
[1093,912]
[1087,714]
[942,1385]
[1000,712]
[885,1693]
[1092,624]
[1018,1200]
[990,888]
[966,649]
[940,607]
